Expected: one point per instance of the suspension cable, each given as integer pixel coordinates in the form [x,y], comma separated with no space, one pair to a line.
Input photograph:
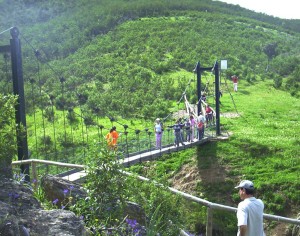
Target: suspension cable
[6,30]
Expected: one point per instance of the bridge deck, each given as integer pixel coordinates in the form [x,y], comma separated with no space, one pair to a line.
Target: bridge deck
[142,156]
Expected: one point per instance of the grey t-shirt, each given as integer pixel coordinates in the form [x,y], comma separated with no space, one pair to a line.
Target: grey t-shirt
[250,213]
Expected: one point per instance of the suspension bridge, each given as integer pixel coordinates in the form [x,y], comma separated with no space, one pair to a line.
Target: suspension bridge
[71,144]
[62,132]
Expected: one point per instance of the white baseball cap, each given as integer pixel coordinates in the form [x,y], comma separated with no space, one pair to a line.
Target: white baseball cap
[247,184]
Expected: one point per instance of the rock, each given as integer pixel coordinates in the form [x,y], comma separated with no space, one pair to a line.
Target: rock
[60,189]
[55,188]
[22,215]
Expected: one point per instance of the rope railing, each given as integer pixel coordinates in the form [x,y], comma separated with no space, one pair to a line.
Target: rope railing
[209,205]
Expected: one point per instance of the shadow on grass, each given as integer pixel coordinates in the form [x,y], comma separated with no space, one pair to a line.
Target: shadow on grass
[216,186]
[256,150]
[244,92]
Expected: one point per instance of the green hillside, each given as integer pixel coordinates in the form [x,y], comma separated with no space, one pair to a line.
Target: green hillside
[132,59]
[139,48]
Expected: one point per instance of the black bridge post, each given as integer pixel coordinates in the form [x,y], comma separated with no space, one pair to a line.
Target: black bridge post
[198,69]
[217,92]
[18,87]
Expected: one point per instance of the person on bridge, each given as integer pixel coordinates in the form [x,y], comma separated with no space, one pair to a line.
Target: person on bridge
[188,129]
[115,136]
[108,138]
[209,115]
[203,97]
[193,124]
[200,126]
[235,79]
[178,133]
[250,211]
[158,130]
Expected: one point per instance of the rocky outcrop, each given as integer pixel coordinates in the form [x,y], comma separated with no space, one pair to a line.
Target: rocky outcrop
[61,191]
[22,215]
[56,188]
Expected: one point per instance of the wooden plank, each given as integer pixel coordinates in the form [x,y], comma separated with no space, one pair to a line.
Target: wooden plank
[75,176]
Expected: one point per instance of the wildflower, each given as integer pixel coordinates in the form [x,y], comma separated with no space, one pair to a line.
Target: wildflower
[81,217]
[132,223]
[71,187]
[63,207]
[66,191]
[13,196]
[55,201]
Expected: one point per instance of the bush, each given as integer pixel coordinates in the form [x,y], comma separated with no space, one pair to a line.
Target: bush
[277,82]
[7,135]
[109,190]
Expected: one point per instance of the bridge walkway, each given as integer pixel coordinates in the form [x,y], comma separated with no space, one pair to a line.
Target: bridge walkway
[141,157]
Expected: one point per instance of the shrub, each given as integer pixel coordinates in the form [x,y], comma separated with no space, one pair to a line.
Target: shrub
[7,134]
[277,82]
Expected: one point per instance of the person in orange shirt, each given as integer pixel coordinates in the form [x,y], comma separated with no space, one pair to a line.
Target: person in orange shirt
[109,139]
[115,136]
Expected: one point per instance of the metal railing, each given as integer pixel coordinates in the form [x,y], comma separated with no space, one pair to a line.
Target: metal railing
[209,205]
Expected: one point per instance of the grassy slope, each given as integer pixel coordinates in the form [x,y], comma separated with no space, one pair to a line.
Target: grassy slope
[264,147]
[265,144]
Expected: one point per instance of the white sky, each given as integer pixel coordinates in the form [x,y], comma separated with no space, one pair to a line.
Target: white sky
[286,9]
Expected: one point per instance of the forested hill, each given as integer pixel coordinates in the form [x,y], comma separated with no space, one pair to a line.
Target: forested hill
[135,57]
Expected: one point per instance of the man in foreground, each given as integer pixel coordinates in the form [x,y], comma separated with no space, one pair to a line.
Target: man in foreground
[250,211]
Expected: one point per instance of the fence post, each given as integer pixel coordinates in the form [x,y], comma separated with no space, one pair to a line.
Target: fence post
[209,221]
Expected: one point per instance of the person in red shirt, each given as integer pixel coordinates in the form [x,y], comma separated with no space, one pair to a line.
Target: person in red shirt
[235,79]
[209,115]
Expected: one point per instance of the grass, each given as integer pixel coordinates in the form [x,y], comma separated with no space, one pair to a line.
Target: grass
[263,147]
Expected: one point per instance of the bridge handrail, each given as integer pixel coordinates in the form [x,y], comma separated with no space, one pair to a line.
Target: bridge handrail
[210,205]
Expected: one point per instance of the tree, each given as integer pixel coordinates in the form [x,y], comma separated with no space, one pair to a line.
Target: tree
[270,51]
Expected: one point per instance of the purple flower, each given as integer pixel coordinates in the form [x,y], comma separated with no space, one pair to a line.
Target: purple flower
[71,187]
[66,191]
[63,207]
[81,217]
[132,223]
[13,196]
[55,201]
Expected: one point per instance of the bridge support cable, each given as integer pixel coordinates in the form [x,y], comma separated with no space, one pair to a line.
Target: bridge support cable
[31,81]
[53,126]
[39,54]
[62,82]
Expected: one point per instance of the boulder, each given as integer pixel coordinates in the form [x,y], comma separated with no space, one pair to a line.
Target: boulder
[60,190]
[21,214]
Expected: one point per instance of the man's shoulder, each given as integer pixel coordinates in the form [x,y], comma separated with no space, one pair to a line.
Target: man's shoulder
[253,200]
